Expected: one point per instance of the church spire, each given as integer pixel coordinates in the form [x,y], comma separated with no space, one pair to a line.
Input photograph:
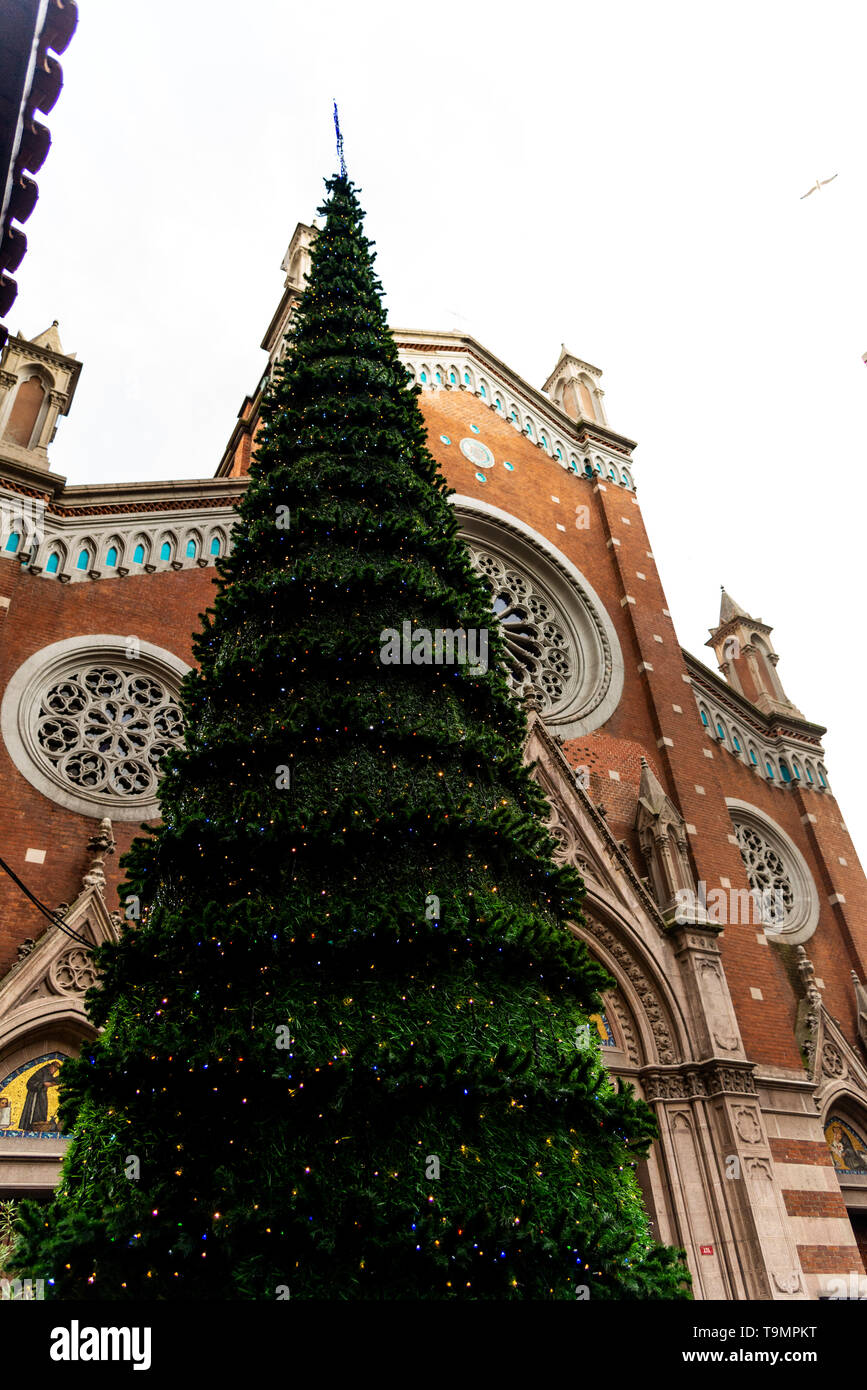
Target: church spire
[747,658]
[729,608]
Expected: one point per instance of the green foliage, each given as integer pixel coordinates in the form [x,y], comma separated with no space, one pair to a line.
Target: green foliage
[8,1233]
[336,983]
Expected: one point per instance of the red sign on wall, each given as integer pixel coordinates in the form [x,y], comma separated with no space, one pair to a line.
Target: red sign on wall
[706,1249]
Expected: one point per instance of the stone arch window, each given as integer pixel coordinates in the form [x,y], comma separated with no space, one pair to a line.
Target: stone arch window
[809,771]
[168,547]
[721,731]
[28,408]
[88,724]
[776,868]
[113,552]
[483,390]
[774,687]
[424,374]
[736,742]
[560,642]
[192,545]
[753,759]
[587,396]
[498,403]
[82,561]
[796,771]
[822,777]
[785,774]
[528,428]
[217,544]
[468,377]
[543,440]
[141,554]
[704,717]
[13,541]
[53,563]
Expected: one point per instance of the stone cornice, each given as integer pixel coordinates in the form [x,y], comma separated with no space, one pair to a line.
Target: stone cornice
[117,498]
[17,467]
[738,621]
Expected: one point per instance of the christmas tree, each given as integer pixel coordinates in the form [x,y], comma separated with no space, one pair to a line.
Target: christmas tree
[344,1047]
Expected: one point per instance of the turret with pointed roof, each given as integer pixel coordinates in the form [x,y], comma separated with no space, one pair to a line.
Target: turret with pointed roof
[37,384]
[747,658]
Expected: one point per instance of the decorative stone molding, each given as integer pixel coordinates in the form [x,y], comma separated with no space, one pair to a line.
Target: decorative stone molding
[787,1281]
[747,1124]
[101,845]
[832,1061]
[769,740]
[707,1080]
[662,835]
[73,972]
[624,1021]
[650,1003]
[97,531]
[88,725]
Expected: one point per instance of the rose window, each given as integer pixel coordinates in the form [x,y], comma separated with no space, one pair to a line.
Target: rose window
[107,729]
[766,872]
[538,654]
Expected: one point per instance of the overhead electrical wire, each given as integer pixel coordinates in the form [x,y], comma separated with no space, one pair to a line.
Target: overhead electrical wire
[53,917]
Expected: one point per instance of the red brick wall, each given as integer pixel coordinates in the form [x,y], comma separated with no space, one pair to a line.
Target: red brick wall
[160,608]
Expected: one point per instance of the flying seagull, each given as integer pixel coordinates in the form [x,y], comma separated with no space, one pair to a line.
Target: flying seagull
[820,183]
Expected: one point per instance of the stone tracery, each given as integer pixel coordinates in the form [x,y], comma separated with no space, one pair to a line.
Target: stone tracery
[107,727]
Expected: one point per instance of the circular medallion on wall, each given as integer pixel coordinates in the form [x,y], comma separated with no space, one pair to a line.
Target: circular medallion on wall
[478,453]
[89,720]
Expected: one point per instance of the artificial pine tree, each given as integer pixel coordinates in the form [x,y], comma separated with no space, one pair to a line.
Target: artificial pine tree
[339,1052]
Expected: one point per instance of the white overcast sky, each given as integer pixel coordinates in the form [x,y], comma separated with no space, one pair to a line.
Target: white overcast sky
[623,177]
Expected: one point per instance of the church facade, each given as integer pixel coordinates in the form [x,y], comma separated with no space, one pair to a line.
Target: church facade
[724,895]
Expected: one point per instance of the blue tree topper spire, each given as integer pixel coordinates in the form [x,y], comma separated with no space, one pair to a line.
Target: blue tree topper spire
[339,142]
